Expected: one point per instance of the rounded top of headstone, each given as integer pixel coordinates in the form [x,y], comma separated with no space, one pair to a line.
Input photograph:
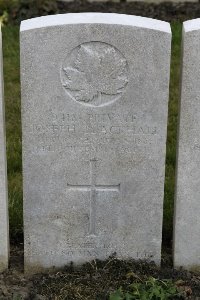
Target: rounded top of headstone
[95,18]
[191,25]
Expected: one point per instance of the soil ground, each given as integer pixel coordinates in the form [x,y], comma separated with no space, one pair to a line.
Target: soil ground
[165,11]
[94,280]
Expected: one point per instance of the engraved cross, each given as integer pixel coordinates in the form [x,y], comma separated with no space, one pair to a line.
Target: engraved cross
[93,188]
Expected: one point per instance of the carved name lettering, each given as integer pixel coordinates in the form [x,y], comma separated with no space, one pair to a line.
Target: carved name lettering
[105,129]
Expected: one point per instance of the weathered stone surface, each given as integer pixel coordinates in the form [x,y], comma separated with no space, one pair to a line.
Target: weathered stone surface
[4,244]
[187,213]
[94,99]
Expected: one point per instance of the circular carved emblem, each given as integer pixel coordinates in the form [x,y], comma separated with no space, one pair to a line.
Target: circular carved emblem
[95,74]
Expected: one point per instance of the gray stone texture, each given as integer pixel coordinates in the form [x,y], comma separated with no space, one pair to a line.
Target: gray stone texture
[94,108]
[187,211]
[4,243]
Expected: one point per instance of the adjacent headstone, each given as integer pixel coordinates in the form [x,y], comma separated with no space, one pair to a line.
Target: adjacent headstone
[94,100]
[187,212]
[4,244]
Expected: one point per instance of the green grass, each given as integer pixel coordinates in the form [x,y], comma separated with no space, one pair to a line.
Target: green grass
[13,128]
[149,289]
[172,132]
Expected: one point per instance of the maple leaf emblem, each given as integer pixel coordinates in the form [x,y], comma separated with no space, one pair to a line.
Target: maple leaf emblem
[98,69]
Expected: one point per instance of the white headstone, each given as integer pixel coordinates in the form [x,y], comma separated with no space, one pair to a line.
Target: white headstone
[4,244]
[94,99]
[187,214]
